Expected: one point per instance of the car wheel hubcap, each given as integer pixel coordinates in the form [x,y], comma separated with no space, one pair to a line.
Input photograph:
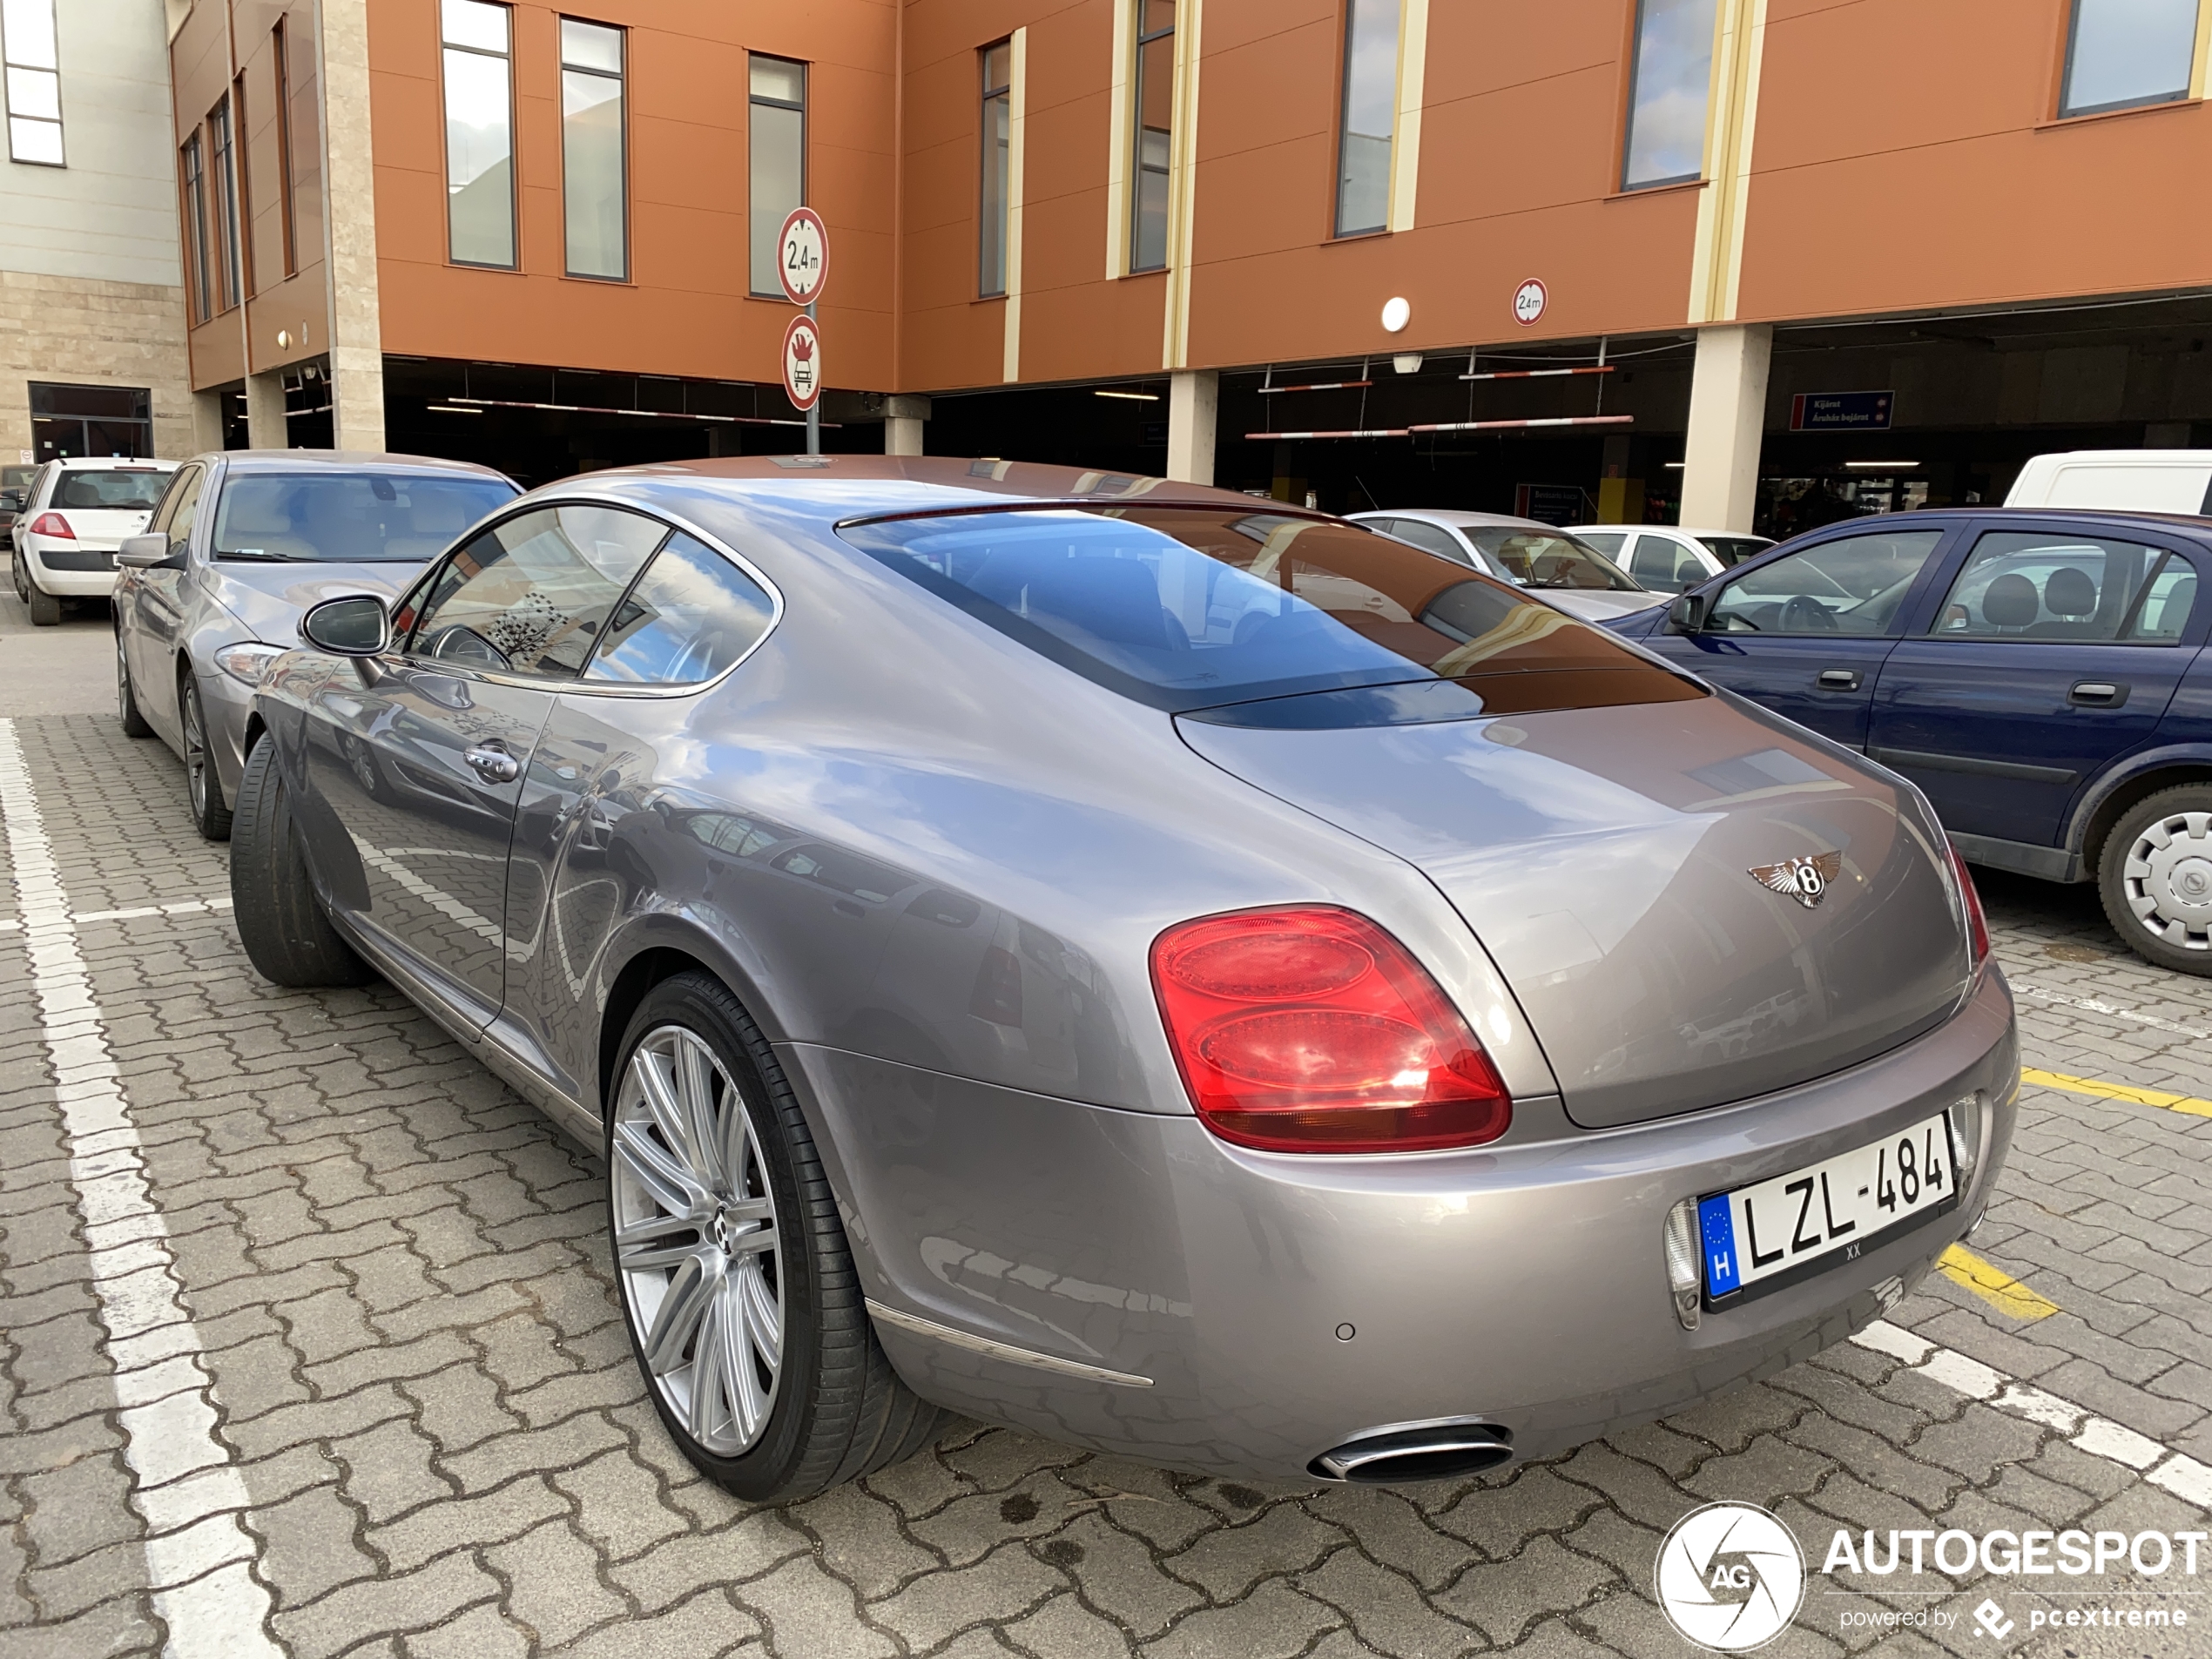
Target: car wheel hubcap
[696,1241]
[2168,879]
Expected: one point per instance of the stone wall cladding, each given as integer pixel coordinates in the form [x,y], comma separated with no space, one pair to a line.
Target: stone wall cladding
[80,331]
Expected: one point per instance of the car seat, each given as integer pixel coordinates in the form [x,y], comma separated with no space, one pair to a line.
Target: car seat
[261,517]
[2010,602]
[2070,595]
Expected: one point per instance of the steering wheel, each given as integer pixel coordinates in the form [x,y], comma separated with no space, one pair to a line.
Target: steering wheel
[1806,615]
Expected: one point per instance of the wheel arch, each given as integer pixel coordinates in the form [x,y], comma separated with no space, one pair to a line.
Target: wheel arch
[2114,797]
[654,949]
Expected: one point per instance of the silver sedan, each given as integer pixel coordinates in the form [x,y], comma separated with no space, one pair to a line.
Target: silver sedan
[1188,977]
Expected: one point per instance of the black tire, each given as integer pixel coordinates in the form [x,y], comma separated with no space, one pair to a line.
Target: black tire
[126,696]
[203,785]
[2154,877]
[838,1411]
[20,567]
[45,608]
[287,933]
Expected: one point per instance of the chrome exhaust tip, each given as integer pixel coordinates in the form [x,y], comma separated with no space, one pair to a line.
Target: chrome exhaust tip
[1432,1452]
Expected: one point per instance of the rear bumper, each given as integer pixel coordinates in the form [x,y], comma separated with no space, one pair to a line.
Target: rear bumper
[63,571]
[1521,1285]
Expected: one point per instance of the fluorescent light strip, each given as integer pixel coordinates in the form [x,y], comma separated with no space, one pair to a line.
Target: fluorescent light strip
[1135,397]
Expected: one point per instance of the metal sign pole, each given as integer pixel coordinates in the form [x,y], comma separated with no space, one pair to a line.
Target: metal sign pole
[813,411]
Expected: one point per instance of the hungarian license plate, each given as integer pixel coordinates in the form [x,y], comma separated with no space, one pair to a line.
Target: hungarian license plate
[1780,1230]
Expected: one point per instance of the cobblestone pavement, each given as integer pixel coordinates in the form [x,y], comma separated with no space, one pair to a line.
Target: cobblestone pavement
[425,1417]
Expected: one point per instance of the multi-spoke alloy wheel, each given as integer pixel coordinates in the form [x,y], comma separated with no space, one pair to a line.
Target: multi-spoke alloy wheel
[743,1301]
[2156,879]
[696,1241]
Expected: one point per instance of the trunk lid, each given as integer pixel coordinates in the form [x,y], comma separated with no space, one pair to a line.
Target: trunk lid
[100,529]
[1606,856]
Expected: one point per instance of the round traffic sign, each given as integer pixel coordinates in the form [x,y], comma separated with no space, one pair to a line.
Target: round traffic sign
[1528,301]
[803,362]
[802,255]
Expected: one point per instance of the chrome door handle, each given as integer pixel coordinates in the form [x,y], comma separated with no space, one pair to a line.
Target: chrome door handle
[493,765]
[2098,694]
[1839,679]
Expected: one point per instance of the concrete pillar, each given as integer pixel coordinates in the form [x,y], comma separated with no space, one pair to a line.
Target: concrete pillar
[355,320]
[265,424]
[1194,398]
[208,422]
[902,424]
[1720,476]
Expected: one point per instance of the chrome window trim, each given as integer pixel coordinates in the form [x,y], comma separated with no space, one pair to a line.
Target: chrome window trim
[591,688]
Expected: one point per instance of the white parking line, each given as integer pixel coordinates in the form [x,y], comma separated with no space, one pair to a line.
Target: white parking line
[199,1555]
[185,907]
[2181,1475]
[2094,1005]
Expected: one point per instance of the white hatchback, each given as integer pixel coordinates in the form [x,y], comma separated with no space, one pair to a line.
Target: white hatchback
[75,514]
[1669,558]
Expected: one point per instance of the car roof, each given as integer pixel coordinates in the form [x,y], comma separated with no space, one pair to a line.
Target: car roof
[2088,519]
[1460,517]
[835,488]
[114,464]
[296,461]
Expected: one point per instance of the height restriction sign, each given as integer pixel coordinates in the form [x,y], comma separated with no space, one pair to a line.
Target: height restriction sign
[802,256]
[803,362]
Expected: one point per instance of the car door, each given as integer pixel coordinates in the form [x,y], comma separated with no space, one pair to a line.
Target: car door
[418,765]
[157,605]
[2056,651]
[1806,634]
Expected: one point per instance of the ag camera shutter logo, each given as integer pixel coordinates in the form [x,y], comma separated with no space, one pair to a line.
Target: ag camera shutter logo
[1729,1577]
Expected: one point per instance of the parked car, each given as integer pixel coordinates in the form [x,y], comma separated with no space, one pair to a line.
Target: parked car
[241,543]
[2131,481]
[1667,558]
[1566,571]
[74,515]
[1194,978]
[2039,674]
[15,485]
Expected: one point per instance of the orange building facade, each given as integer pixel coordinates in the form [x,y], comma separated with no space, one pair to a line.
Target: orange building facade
[1802,241]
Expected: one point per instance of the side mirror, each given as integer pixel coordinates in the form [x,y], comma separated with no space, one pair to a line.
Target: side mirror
[357,625]
[1688,614]
[138,552]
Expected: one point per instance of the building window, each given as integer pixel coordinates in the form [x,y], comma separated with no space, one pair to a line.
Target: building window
[2125,52]
[1370,115]
[34,82]
[998,111]
[1670,85]
[222,166]
[194,172]
[480,135]
[778,154]
[280,53]
[1155,134]
[593,188]
[76,420]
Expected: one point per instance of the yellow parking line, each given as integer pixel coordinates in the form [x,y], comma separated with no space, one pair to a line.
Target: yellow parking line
[2187,1104]
[2002,1291]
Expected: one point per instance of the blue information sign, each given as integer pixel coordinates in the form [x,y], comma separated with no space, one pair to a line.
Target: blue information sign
[1841,411]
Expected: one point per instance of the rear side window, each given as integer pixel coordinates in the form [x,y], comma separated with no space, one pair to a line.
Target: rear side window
[128,489]
[1664,565]
[1191,607]
[2019,584]
[691,614]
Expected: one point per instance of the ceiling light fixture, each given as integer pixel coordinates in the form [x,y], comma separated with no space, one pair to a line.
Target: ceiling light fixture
[1881,465]
[447,409]
[1134,397]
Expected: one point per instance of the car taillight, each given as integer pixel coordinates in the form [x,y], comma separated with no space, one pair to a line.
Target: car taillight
[52,524]
[1310,1029]
[1976,924]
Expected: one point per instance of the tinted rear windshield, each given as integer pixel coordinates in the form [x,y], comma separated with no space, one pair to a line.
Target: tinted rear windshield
[350,517]
[134,490]
[1188,608]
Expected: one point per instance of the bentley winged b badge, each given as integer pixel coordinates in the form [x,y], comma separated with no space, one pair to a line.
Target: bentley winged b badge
[1804,880]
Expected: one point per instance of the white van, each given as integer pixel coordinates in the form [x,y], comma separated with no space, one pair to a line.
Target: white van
[2139,481]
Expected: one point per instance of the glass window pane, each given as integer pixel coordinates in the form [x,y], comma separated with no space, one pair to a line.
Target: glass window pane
[1854,585]
[2019,584]
[591,46]
[592,174]
[29,27]
[2165,609]
[1547,559]
[351,518]
[532,595]
[1370,112]
[39,141]
[136,490]
[479,158]
[779,79]
[991,255]
[998,63]
[2128,52]
[36,93]
[474,22]
[693,614]
[779,175]
[1159,15]
[1155,145]
[1670,85]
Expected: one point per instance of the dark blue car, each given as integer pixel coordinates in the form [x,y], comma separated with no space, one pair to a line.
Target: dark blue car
[2042,675]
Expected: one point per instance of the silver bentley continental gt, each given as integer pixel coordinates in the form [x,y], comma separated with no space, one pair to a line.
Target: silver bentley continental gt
[1183,976]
